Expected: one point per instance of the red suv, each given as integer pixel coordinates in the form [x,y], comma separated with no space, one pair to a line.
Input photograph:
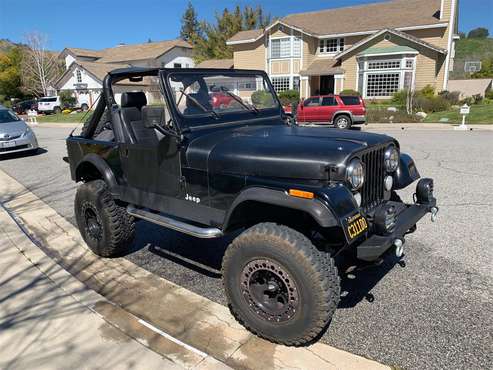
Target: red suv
[341,111]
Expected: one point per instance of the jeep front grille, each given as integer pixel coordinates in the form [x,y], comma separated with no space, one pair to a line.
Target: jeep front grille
[372,192]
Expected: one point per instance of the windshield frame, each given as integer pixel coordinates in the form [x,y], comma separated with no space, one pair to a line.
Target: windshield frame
[207,120]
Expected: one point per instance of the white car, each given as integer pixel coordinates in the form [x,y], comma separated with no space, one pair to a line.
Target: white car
[50,104]
[15,134]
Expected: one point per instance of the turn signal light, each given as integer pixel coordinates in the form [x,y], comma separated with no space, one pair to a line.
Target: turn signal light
[301,194]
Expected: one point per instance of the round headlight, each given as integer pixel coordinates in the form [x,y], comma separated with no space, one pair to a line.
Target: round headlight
[391,159]
[355,173]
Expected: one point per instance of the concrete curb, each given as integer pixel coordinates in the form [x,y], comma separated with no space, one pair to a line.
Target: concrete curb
[171,309]
[174,353]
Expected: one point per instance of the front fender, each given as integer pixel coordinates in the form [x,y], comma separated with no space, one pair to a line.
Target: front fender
[314,207]
[407,172]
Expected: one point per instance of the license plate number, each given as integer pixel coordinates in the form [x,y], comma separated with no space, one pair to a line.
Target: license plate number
[356,226]
[9,144]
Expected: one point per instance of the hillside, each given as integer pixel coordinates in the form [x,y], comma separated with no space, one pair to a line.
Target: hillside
[5,45]
[470,50]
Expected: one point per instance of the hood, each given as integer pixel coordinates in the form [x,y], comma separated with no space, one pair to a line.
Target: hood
[12,129]
[277,151]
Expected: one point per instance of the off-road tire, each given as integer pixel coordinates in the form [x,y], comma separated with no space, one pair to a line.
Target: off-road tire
[343,122]
[313,272]
[117,226]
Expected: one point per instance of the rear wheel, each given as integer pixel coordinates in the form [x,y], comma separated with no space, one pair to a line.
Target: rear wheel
[84,107]
[342,122]
[57,110]
[279,285]
[106,227]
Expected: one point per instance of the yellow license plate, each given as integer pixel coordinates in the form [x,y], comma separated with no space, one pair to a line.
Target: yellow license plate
[356,225]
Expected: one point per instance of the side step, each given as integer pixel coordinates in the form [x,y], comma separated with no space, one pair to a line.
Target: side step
[171,223]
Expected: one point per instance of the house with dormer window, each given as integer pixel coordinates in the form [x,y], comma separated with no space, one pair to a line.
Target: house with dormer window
[376,49]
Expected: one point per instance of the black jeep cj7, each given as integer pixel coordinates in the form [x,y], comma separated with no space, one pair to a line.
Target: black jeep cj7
[209,153]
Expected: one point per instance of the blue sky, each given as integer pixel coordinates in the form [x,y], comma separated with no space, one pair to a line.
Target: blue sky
[97,24]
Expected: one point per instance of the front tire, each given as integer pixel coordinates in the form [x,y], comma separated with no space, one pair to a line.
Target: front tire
[105,226]
[279,286]
[343,122]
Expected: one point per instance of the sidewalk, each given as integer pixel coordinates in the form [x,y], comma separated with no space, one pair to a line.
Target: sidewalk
[43,326]
[49,320]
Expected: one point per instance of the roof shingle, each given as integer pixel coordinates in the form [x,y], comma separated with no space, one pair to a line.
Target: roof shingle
[362,18]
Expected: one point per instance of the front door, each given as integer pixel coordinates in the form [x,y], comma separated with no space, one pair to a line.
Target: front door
[154,168]
[327,84]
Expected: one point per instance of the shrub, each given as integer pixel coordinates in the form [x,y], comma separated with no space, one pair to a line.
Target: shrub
[453,97]
[428,91]
[262,99]
[350,92]
[400,97]
[289,97]
[384,116]
[432,104]
[469,101]
[489,94]
[66,99]
[478,98]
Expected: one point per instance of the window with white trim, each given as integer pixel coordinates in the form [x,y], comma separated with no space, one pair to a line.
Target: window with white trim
[381,78]
[331,46]
[280,83]
[285,47]
[296,47]
[385,64]
[382,84]
[78,74]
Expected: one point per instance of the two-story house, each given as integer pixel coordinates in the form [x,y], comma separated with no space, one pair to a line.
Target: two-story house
[376,49]
[86,69]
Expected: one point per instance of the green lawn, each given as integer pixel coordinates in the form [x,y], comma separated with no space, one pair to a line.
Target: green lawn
[480,114]
[75,118]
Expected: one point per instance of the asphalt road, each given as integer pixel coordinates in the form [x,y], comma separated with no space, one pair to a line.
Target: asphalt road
[435,310]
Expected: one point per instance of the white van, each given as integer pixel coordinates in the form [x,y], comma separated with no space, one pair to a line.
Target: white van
[50,104]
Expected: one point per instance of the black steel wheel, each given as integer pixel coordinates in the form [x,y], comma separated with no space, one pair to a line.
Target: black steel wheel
[278,285]
[270,290]
[106,227]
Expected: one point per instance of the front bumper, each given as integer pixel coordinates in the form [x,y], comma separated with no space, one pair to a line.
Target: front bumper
[21,144]
[376,245]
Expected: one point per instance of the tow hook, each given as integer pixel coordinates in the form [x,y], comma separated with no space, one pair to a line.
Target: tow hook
[434,214]
[399,248]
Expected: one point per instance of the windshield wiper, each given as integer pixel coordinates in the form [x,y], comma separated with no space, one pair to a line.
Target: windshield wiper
[198,104]
[251,108]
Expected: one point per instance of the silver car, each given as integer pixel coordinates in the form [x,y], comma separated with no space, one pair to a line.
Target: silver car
[15,134]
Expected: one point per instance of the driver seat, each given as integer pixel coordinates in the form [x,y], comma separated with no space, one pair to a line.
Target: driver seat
[131,109]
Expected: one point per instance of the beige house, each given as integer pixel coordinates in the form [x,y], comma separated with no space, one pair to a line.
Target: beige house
[376,49]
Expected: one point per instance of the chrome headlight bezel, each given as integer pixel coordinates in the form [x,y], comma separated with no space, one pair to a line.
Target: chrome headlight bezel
[355,173]
[391,158]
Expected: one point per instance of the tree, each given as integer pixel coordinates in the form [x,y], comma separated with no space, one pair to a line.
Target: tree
[190,27]
[209,39]
[478,33]
[40,68]
[10,73]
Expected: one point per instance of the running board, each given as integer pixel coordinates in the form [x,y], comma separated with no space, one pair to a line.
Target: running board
[171,223]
